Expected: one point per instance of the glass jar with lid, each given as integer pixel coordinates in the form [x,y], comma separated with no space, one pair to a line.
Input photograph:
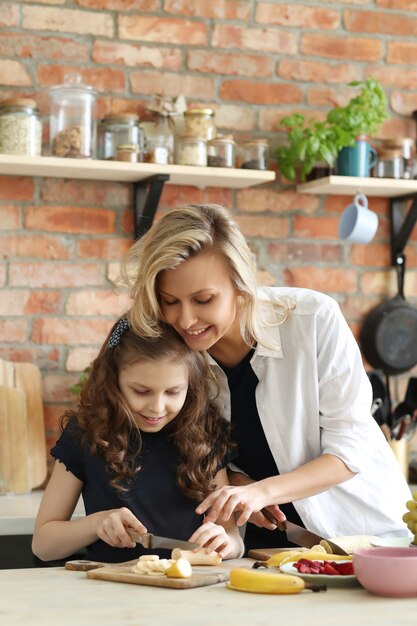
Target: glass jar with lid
[20,127]
[199,123]
[253,155]
[191,151]
[73,125]
[158,142]
[119,129]
[408,149]
[390,163]
[221,151]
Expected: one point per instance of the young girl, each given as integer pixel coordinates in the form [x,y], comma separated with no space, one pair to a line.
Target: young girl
[144,447]
[291,381]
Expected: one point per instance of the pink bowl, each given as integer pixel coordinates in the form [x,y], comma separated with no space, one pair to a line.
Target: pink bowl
[388,572]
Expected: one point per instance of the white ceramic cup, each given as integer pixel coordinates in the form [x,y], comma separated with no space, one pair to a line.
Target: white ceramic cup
[357,223]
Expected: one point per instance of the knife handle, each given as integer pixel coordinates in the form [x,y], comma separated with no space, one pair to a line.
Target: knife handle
[83,565]
[280,525]
[144,540]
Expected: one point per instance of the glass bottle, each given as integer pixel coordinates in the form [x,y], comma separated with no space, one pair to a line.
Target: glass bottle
[73,126]
[254,154]
[191,151]
[119,129]
[159,141]
[408,149]
[221,152]
[390,163]
[20,127]
[199,123]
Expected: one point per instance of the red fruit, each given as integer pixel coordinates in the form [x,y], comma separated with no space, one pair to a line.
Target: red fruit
[329,570]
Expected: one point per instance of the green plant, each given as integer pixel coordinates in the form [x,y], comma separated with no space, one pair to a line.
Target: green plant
[76,389]
[309,142]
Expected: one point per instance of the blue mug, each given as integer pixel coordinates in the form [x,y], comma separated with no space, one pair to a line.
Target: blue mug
[356,160]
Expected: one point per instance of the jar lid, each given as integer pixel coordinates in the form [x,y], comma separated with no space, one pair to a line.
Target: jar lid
[73,85]
[120,117]
[223,139]
[21,102]
[398,142]
[192,138]
[199,112]
[256,142]
[127,147]
[389,153]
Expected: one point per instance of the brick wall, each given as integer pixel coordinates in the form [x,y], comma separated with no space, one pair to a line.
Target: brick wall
[254,62]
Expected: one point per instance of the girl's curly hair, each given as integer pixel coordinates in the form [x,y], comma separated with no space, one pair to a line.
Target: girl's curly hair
[199,433]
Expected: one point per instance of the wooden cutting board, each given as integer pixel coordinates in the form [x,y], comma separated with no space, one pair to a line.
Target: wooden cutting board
[14,448]
[120,573]
[263,554]
[29,380]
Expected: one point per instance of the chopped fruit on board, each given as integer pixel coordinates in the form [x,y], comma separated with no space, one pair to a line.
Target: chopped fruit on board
[328,568]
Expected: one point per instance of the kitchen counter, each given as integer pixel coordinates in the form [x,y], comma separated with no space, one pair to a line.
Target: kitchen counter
[49,596]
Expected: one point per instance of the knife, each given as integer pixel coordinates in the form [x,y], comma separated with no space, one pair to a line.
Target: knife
[154,541]
[300,535]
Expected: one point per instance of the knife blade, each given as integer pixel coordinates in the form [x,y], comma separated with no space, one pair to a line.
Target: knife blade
[301,536]
[148,540]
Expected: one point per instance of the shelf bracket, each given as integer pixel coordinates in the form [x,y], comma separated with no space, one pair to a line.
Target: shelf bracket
[147,193]
[401,226]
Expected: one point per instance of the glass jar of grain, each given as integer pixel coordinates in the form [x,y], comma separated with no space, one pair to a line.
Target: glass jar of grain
[221,151]
[20,127]
[199,123]
[191,151]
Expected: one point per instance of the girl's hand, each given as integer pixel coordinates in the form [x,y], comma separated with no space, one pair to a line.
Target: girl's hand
[213,537]
[223,502]
[264,518]
[112,524]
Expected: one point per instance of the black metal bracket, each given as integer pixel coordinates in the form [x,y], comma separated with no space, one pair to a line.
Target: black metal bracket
[401,226]
[147,193]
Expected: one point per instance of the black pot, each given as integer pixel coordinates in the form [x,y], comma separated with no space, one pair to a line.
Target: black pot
[389,333]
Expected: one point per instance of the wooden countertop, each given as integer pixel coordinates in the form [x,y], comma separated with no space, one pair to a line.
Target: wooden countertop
[49,596]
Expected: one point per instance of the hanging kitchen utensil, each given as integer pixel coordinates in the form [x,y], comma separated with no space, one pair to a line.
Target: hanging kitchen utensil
[380,400]
[389,333]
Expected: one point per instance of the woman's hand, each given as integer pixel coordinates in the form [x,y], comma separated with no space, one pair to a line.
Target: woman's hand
[213,537]
[223,502]
[112,524]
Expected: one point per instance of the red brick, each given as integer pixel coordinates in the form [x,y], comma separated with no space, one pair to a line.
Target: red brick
[407,5]
[55,275]
[102,78]
[56,388]
[339,203]
[13,331]
[2,274]
[404,104]
[105,249]
[52,414]
[316,227]
[322,279]
[58,330]
[67,21]
[120,5]
[29,46]
[9,14]
[38,246]
[80,358]
[14,73]
[70,219]
[215,9]
[260,200]
[19,188]
[355,307]
[270,118]
[88,302]
[372,255]
[401,51]
[388,23]
[258,39]
[240,65]
[134,56]
[330,97]
[263,277]
[266,227]
[233,117]
[162,30]
[172,84]
[300,16]
[300,252]
[94,193]
[10,216]
[260,93]
[341,47]
[395,76]
[26,302]
[318,72]
[174,196]
[45,357]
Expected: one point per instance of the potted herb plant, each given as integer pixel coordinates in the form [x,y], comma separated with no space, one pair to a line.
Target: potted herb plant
[344,135]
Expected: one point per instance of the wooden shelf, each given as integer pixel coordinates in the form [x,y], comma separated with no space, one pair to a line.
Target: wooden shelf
[132,172]
[350,185]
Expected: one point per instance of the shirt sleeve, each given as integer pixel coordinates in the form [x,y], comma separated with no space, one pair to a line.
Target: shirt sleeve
[69,451]
[345,394]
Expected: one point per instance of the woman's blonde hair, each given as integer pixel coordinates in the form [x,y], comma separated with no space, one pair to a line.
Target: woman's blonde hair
[180,235]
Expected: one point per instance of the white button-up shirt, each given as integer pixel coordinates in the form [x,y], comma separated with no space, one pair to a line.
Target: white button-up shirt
[314,398]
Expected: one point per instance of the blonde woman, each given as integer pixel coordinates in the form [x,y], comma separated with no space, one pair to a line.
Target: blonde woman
[291,382]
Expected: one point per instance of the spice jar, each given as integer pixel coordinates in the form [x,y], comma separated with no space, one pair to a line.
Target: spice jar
[407,147]
[221,152]
[254,154]
[191,151]
[199,123]
[127,152]
[390,163]
[119,129]
[20,127]
[73,126]
[158,141]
